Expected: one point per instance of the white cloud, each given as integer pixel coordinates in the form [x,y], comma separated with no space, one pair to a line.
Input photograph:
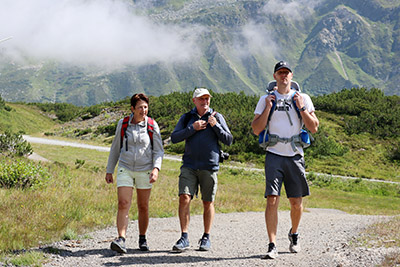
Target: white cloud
[91,32]
[294,10]
[259,40]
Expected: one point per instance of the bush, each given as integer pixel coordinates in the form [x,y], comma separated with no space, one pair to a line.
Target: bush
[20,174]
[13,144]
[394,152]
[325,145]
[108,130]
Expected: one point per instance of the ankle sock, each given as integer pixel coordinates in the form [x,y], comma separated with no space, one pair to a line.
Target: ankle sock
[185,235]
[206,236]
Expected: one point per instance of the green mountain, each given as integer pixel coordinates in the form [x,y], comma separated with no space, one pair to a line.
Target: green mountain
[331,44]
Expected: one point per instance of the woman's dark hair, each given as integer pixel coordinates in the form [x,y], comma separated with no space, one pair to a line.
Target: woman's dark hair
[137,97]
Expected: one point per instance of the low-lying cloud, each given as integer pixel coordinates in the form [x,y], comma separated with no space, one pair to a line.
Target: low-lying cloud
[258,33]
[91,32]
[296,10]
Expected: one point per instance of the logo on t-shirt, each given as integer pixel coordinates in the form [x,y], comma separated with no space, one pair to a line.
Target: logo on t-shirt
[283,105]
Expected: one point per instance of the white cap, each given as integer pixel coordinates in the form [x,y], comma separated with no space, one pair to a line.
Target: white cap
[200,92]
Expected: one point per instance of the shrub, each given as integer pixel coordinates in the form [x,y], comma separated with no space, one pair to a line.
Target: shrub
[394,152]
[20,174]
[79,163]
[325,145]
[13,144]
[109,130]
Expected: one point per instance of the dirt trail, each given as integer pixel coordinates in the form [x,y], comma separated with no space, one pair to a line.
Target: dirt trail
[238,239]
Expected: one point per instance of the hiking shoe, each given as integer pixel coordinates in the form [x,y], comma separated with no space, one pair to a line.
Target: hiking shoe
[294,246]
[118,245]
[272,252]
[143,245]
[205,244]
[181,245]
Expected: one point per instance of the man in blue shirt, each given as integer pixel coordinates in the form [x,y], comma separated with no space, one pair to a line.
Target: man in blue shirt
[201,128]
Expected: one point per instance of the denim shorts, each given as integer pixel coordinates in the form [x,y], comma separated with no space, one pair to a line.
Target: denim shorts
[140,180]
[190,180]
[287,170]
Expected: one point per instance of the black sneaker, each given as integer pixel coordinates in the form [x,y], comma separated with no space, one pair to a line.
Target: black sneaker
[118,245]
[294,246]
[181,245]
[205,244]
[143,245]
[272,252]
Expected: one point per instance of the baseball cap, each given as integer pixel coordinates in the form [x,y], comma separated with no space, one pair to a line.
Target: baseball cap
[281,65]
[200,92]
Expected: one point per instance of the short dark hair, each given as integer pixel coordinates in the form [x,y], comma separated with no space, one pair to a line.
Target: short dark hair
[137,97]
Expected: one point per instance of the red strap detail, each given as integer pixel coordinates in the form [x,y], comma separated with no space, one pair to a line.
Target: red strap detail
[125,123]
[150,128]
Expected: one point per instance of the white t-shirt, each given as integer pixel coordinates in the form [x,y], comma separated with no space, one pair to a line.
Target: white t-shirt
[280,124]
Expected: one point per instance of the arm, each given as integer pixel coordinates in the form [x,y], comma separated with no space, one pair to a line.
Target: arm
[260,120]
[158,149]
[114,153]
[309,118]
[221,129]
[181,131]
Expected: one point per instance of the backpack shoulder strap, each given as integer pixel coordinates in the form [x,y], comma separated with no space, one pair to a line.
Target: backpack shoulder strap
[186,119]
[125,123]
[295,106]
[272,108]
[150,129]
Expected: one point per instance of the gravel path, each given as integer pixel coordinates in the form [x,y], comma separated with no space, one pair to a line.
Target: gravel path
[238,239]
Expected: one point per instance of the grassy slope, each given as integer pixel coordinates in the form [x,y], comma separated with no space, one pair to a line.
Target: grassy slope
[24,118]
[70,204]
[365,159]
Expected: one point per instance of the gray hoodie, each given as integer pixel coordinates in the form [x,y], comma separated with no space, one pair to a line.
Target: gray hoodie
[140,155]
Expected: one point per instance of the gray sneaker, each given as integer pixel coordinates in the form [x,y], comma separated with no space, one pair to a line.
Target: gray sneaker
[181,245]
[205,244]
[294,246]
[118,245]
[272,252]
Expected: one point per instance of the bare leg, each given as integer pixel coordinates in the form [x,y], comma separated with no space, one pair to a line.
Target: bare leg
[143,196]
[296,210]
[124,203]
[271,217]
[208,215]
[184,211]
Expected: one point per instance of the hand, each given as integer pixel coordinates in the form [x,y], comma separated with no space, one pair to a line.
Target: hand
[199,125]
[212,120]
[109,178]
[154,175]
[299,100]
[269,99]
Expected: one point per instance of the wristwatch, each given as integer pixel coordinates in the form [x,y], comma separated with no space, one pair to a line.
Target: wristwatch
[303,108]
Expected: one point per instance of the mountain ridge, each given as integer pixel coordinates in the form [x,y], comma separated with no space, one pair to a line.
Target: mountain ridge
[330,44]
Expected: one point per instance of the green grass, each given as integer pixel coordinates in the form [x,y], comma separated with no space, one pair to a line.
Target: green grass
[77,201]
[69,205]
[366,157]
[24,118]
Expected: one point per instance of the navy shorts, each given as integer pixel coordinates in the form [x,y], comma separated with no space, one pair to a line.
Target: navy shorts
[287,170]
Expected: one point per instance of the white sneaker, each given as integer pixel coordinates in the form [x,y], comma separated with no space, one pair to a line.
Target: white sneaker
[272,252]
[294,246]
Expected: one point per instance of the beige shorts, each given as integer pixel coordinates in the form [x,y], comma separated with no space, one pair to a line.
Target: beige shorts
[140,180]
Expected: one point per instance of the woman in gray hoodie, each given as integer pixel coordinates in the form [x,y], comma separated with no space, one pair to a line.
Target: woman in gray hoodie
[139,151]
